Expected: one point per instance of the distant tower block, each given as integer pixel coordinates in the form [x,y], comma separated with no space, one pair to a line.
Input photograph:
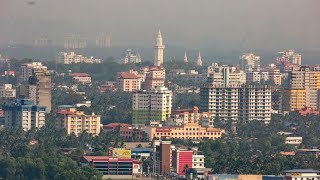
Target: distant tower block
[185,59]
[199,60]
[158,50]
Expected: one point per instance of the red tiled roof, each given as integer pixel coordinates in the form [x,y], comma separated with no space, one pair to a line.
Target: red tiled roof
[155,68]
[114,125]
[80,75]
[65,112]
[126,75]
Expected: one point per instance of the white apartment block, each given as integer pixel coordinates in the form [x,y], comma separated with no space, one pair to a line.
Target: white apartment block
[249,62]
[243,103]
[131,58]
[27,69]
[292,57]
[24,115]
[151,105]
[73,58]
[7,91]
[77,121]
[225,76]
[252,77]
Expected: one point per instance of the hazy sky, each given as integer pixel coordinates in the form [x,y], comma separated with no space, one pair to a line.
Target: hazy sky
[259,24]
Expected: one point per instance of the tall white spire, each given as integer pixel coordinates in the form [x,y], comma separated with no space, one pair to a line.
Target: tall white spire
[158,50]
[185,59]
[199,60]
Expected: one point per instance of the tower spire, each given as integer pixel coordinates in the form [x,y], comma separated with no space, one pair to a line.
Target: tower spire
[199,60]
[185,59]
[158,50]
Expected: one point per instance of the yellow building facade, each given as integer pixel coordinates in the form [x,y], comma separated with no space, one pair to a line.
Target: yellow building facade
[192,131]
[294,99]
[77,121]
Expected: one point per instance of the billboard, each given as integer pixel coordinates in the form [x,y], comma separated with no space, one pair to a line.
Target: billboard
[121,153]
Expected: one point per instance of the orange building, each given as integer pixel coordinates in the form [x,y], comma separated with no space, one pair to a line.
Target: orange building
[293,99]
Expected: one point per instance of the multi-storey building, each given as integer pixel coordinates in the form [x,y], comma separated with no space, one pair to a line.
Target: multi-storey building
[192,131]
[27,70]
[249,62]
[128,82]
[24,114]
[293,99]
[184,159]
[293,57]
[103,41]
[307,80]
[254,76]
[237,102]
[162,153]
[42,42]
[131,58]
[40,89]
[224,75]
[75,42]
[151,105]
[73,58]
[155,77]
[184,116]
[114,167]
[77,121]
[275,74]
[6,91]
[82,78]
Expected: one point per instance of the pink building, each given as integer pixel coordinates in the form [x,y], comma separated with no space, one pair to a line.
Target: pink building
[307,110]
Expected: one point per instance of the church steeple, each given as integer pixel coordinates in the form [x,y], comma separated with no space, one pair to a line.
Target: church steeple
[199,60]
[158,50]
[185,59]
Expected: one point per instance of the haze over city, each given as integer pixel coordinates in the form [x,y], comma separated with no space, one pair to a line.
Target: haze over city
[239,25]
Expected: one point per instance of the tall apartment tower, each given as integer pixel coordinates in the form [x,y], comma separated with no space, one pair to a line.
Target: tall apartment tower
[75,42]
[24,114]
[27,69]
[246,102]
[303,89]
[40,89]
[249,62]
[293,57]
[158,50]
[103,41]
[162,160]
[151,105]
[225,76]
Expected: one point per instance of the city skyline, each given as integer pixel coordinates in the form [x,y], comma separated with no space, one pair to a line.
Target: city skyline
[211,24]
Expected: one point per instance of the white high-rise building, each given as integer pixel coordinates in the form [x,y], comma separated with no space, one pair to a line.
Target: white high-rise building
[291,56]
[158,50]
[151,105]
[249,62]
[73,58]
[24,114]
[243,103]
[199,60]
[225,76]
[185,59]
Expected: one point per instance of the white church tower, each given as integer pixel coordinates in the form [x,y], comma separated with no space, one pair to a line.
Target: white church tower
[199,60]
[158,50]
[185,59]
